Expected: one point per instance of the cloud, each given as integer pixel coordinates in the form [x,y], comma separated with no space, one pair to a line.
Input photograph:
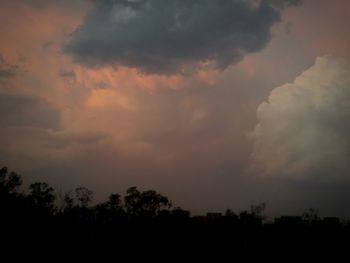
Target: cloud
[42,4]
[303,129]
[166,37]
[67,73]
[7,70]
[321,28]
[25,111]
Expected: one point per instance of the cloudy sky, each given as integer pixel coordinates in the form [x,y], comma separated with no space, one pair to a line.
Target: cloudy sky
[216,104]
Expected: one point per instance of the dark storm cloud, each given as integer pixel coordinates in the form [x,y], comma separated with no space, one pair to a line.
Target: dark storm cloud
[41,4]
[285,3]
[18,110]
[166,37]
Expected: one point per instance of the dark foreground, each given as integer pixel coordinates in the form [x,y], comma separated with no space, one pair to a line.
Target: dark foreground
[144,224]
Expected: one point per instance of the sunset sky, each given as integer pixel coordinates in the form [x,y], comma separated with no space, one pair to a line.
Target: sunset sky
[215,103]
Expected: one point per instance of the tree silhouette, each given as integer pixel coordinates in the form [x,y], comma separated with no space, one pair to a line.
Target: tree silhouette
[258,210]
[42,195]
[83,196]
[68,200]
[147,203]
[114,202]
[110,210]
[230,214]
[9,182]
[132,201]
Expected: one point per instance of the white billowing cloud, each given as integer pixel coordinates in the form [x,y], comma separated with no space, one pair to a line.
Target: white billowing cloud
[303,129]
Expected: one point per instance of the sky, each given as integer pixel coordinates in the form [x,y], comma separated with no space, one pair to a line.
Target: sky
[216,104]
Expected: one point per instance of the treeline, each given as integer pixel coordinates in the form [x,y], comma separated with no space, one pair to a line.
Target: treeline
[41,199]
[146,220]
